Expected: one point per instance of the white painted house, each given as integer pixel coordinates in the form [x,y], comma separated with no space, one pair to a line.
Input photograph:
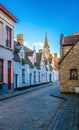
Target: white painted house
[7,21]
[21,67]
[33,71]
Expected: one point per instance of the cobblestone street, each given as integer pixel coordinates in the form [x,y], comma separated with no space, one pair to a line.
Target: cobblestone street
[42,109]
[31,111]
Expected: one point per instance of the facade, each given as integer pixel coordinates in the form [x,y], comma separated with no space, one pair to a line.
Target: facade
[7,21]
[53,61]
[69,63]
[34,70]
[21,64]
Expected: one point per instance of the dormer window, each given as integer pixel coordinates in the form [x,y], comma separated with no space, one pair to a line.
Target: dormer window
[8,37]
[73,74]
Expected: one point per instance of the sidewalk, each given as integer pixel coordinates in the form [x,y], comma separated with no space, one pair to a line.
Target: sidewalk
[68,116]
[19,92]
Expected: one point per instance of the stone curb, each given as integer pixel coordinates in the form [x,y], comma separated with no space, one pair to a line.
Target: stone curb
[59,97]
[54,122]
[14,94]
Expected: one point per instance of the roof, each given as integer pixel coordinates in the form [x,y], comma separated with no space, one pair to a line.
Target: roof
[70,40]
[67,53]
[28,61]
[16,57]
[8,13]
[51,68]
[26,49]
[38,59]
[28,52]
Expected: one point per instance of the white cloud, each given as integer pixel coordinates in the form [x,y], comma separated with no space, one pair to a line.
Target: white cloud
[15,40]
[37,45]
[27,44]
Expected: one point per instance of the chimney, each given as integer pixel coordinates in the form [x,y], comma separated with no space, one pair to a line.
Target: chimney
[20,39]
[61,39]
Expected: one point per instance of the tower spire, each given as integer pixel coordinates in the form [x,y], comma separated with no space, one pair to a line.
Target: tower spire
[46,45]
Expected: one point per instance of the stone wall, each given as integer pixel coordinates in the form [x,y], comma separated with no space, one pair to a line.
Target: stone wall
[71,61]
[64,50]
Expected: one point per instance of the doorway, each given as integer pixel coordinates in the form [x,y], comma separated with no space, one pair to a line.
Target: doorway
[9,75]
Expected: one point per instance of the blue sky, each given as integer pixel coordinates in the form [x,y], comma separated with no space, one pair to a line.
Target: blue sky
[39,16]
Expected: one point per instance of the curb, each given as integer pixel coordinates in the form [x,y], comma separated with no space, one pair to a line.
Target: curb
[59,97]
[5,97]
[54,121]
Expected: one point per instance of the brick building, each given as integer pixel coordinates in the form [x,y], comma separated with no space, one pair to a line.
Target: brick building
[69,63]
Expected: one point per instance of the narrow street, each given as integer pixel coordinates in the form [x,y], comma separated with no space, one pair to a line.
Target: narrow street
[31,111]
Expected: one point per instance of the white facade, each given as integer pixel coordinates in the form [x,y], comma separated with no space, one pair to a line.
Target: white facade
[6,48]
[18,77]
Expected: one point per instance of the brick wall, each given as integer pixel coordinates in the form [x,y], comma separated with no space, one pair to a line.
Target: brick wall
[71,61]
[64,50]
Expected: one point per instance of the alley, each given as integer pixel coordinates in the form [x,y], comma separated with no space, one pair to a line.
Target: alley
[31,111]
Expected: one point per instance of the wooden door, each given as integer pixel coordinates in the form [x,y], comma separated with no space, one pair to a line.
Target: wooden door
[9,75]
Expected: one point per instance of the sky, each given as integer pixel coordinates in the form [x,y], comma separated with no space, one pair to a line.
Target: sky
[37,17]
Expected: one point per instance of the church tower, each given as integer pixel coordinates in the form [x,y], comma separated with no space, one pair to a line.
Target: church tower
[46,47]
[20,39]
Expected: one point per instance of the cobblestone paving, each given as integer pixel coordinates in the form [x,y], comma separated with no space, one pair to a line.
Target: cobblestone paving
[68,118]
[31,111]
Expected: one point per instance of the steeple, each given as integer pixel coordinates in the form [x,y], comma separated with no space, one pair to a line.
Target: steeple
[46,45]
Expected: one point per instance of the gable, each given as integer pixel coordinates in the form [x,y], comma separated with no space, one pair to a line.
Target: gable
[5,11]
[72,56]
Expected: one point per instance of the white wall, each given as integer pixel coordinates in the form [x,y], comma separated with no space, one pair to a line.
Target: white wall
[18,70]
[6,53]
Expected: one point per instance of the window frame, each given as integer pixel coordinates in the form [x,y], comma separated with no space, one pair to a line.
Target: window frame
[1,60]
[75,77]
[8,30]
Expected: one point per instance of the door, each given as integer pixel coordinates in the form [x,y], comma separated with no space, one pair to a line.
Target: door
[9,75]
[16,79]
[30,78]
[50,77]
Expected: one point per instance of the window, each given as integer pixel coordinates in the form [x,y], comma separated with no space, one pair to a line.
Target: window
[9,64]
[34,76]
[8,37]
[46,77]
[1,32]
[23,75]
[1,70]
[73,74]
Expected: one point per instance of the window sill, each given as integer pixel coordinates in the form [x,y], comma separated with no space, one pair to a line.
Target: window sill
[74,78]
[9,48]
[6,47]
